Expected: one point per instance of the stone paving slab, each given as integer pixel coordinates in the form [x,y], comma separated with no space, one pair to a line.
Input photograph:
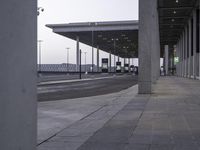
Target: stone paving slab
[62,126]
[169,119]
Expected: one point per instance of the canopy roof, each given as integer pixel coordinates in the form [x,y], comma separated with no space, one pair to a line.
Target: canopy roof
[118,37]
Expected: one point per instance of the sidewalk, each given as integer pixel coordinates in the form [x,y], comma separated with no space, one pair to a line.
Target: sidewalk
[169,119]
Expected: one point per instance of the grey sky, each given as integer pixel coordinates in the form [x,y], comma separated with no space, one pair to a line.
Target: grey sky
[66,11]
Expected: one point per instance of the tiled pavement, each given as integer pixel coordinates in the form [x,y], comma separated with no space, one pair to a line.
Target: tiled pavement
[169,119]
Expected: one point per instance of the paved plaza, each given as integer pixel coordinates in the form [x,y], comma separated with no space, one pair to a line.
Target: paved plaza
[166,120]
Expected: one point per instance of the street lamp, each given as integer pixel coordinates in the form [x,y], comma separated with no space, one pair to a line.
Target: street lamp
[68,59]
[39,9]
[114,45]
[80,66]
[40,54]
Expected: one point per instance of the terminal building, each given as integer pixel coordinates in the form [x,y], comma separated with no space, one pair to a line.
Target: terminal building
[166,28]
[118,38]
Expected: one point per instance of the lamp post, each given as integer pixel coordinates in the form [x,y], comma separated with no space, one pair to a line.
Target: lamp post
[40,54]
[80,65]
[68,59]
[114,45]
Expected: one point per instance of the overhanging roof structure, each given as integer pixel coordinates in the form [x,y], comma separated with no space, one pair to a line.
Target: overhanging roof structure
[118,37]
[173,16]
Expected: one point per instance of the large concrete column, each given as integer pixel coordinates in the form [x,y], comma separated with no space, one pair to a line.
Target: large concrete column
[157,49]
[110,62]
[77,54]
[179,49]
[199,42]
[180,58]
[148,44]
[97,58]
[186,49]
[18,63]
[183,51]
[190,42]
[194,44]
[166,59]
[184,60]
[178,67]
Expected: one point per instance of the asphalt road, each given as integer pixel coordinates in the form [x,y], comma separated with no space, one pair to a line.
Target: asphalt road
[85,88]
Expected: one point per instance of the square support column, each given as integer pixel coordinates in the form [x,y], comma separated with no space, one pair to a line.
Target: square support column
[199,40]
[194,44]
[97,58]
[186,49]
[182,49]
[166,59]
[18,63]
[190,43]
[77,54]
[182,56]
[148,44]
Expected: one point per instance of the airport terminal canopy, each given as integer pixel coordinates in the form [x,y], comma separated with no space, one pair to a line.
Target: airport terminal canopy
[117,37]
[173,16]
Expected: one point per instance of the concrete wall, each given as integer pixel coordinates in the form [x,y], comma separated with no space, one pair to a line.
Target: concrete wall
[18,46]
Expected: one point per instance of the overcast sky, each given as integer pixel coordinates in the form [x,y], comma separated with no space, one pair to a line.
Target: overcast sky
[67,11]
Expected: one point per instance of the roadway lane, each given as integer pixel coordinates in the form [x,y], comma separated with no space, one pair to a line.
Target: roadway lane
[85,88]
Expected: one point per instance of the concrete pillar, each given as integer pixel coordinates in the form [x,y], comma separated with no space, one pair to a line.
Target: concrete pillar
[157,49]
[177,65]
[186,49]
[178,54]
[114,63]
[77,54]
[179,48]
[190,42]
[97,58]
[188,53]
[110,62]
[182,49]
[118,58]
[18,63]
[148,44]
[166,59]
[194,43]
[199,43]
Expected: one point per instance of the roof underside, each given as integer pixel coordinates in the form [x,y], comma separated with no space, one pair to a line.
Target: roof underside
[119,37]
[173,17]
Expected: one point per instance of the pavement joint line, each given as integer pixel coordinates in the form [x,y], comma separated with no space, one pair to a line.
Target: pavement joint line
[126,91]
[70,125]
[101,107]
[76,80]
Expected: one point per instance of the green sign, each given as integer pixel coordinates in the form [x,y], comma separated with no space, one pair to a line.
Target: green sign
[176,60]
